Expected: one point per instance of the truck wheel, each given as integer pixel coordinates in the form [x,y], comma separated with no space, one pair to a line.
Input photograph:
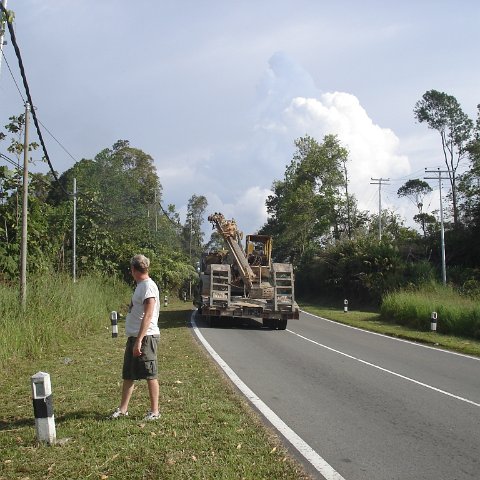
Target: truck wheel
[281,324]
[214,321]
[268,323]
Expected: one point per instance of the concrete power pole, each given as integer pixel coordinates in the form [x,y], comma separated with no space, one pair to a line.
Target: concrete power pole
[379,182]
[442,229]
[2,34]
[23,251]
[74,241]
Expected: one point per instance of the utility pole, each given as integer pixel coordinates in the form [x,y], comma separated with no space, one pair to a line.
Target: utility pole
[2,33]
[23,251]
[190,254]
[379,182]
[74,241]
[349,230]
[156,213]
[442,229]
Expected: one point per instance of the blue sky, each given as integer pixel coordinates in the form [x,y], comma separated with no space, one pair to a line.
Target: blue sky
[217,91]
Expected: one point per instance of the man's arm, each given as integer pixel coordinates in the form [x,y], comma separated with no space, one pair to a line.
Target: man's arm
[148,306]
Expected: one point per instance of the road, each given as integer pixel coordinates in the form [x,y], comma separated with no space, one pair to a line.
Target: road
[373,407]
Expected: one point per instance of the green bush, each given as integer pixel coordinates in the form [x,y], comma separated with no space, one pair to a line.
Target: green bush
[456,314]
[362,270]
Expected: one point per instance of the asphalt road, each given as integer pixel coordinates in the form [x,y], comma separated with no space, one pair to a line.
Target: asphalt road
[373,407]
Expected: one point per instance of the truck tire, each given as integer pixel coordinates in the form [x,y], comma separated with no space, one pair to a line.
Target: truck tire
[281,324]
[268,323]
[214,321]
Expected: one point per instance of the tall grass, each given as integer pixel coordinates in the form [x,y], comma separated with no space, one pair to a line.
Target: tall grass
[457,314]
[56,310]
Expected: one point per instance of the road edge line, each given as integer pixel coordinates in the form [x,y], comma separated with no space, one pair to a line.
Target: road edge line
[391,337]
[303,448]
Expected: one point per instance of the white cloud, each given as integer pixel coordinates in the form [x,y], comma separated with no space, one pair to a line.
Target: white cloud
[238,176]
[248,208]
[374,150]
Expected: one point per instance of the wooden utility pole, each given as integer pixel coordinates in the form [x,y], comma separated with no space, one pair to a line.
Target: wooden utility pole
[379,182]
[23,251]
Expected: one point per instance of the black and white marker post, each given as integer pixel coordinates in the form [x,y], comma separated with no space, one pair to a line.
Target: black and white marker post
[345,306]
[43,408]
[114,320]
[433,322]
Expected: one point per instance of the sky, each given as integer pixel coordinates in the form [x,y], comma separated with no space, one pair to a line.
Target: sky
[218,91]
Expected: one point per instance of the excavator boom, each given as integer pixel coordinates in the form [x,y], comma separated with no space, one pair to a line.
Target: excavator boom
[230,233]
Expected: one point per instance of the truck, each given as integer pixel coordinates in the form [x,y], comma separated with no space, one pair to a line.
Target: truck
[240,284]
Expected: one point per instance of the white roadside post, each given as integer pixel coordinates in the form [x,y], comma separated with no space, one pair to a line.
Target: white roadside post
[43,407]
[165,303]
[345,306]
[433,322]
[114,321]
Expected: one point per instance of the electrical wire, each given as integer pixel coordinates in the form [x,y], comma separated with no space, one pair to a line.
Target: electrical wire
[29,97]
[63,148]
[176,225]
[9,160]
[13,77]
[45,128]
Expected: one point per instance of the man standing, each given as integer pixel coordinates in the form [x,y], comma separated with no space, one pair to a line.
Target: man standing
[141,328]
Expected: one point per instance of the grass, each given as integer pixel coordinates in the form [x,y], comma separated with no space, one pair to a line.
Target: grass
[206,431]
[371,320]
[457,314]
[57,310]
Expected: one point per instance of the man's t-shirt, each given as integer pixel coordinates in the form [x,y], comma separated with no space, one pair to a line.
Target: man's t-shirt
[145,289]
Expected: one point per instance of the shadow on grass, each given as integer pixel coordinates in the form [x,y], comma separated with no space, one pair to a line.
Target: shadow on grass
[19,422]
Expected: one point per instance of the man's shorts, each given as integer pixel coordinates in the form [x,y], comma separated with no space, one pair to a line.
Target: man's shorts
[145,366]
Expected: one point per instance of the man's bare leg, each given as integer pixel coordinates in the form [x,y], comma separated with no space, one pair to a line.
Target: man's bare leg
[153,391]
[127,391]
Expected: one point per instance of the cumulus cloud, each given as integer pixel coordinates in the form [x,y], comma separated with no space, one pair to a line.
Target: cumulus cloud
[294,107]
[289,105]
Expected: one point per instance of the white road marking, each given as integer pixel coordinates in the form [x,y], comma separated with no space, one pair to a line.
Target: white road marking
[392,338]
[466,400]
[305,450]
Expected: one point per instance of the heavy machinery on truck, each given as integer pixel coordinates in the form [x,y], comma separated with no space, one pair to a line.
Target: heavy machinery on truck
[239,284]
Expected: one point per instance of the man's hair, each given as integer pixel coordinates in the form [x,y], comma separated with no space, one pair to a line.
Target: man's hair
[140,263]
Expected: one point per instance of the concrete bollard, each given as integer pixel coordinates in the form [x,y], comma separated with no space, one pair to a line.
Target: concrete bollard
[345,306]
[433,322]
[165,302]
[114,321]
[43,407]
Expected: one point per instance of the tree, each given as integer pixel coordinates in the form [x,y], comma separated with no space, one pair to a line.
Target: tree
[415,190]
[443,113]
[303,207]
[192,230]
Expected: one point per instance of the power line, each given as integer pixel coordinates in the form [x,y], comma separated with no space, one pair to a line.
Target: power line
[13,77]
[43,125]
[9,160]
[176,225]
[63,148]
[407,176]
[29,97]
[23,99]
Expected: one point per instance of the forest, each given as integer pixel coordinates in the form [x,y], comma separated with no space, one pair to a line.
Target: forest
[315,221]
